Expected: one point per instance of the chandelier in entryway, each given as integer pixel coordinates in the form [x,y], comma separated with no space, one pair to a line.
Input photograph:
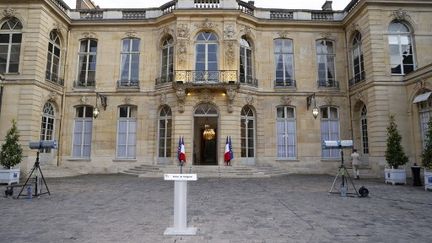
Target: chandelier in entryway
[209,133]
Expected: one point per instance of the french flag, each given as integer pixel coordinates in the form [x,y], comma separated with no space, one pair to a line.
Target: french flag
[181,151]
[228,155]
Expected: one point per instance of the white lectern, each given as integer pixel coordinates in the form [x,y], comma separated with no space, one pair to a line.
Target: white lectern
[180,204]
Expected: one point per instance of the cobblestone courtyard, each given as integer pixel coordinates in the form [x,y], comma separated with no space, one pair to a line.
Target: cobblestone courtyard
[293,208]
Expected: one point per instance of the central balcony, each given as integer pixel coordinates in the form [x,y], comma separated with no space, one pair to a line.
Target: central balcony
[194,79]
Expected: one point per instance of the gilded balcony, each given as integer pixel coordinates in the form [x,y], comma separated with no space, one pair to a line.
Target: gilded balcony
[196,79]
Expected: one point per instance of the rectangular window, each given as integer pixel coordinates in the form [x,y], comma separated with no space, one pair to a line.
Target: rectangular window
[82,136]
[87,63]
[130,61]
[126,133]
[286,133]
[330,130]
[326,64]
[284,63]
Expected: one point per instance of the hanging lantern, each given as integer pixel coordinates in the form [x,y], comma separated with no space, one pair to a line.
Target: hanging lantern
[209,133]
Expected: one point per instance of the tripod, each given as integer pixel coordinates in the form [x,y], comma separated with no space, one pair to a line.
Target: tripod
[345,179]
[36,166]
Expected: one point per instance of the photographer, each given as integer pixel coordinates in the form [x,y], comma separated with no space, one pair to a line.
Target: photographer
[355,164]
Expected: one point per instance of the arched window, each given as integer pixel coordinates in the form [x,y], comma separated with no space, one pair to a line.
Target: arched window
[165,128]
[167,60]
[330,129]
[364,130]
[126,132]
[10,45]
[53,58]
[247,124]
[284,62]
[82,136]
[206,62]
[326,63]
[87,63]
[47,124]
[246,62]
[357,59]
[286,132]
[129,73]
[401,48]
[425,113]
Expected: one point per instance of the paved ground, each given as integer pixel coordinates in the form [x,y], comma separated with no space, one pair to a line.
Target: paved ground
[294,208]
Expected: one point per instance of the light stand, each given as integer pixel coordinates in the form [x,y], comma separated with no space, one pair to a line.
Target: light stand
[346,179]
[36,166]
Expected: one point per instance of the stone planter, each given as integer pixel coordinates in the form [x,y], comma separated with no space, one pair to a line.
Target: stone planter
[9,176]
[395,176]
[428,179]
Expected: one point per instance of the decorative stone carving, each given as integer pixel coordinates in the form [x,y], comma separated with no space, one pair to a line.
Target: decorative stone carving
[181,97]
[247,31]
[182,51]
[231,94]
[163,99]
[59,28]
[131,34]
[9,12]
[183,31]
[329,100]
[52,96]
[167,31]
[400,14]
[206,96]
[325,35]
[84,100]
[360,96]
[249,100]
[127,100]
[206,25]
[230,52]
[285,100]
[89,35]
[229,32]
[283,34]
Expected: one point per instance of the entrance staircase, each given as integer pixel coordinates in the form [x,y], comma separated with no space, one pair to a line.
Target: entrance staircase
[207,171]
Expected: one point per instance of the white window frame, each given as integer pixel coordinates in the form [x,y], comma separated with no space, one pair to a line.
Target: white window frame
[399,35]
[13,30]
[245,46]
[167,119]
[357,52]
[87,55]
[286,134]
[48,119]
[286,54]
[245,119]
[425,113]
[129,54]
[364,130]
[330,82]
[167,75]
[55,42]
[206,74]
[84,120]
[330,134]
[130,120]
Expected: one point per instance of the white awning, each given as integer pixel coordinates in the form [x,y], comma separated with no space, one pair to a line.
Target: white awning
[422,97]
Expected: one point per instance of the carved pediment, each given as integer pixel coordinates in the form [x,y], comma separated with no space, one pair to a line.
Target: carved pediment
[9,12]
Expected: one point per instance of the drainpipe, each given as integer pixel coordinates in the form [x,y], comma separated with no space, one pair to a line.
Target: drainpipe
[348,90]
[63,100]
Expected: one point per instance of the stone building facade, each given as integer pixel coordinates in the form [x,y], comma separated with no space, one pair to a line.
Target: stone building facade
[118,87]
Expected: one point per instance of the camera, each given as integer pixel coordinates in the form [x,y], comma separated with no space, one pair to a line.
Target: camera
[43,144]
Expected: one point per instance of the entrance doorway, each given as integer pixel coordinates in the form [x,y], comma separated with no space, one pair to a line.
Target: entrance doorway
[205,135]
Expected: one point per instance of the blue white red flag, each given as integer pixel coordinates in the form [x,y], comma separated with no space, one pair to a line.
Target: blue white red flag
[182,151]
[230,149]
[228,155]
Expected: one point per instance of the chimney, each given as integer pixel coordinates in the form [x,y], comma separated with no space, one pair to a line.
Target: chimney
[327,6]
[251,3]
[86,4]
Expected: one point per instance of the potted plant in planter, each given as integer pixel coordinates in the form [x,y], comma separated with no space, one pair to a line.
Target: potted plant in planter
[427,157]
[394,155]
[10,156]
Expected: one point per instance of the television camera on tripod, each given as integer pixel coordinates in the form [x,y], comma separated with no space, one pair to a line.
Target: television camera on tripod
[40,146]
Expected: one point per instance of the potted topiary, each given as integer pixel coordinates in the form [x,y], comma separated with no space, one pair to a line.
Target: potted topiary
[394,155]
[10,156]
[427,157]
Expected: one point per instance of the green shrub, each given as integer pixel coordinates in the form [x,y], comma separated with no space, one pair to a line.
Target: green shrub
[394,153]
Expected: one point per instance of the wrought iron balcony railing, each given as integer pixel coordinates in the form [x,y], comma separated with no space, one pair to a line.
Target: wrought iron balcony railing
[206,77]
[328,84]
[127,84]
[285,83]
[249,81]
[84,84]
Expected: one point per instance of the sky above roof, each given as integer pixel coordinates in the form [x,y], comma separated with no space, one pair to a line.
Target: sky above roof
[286,4]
